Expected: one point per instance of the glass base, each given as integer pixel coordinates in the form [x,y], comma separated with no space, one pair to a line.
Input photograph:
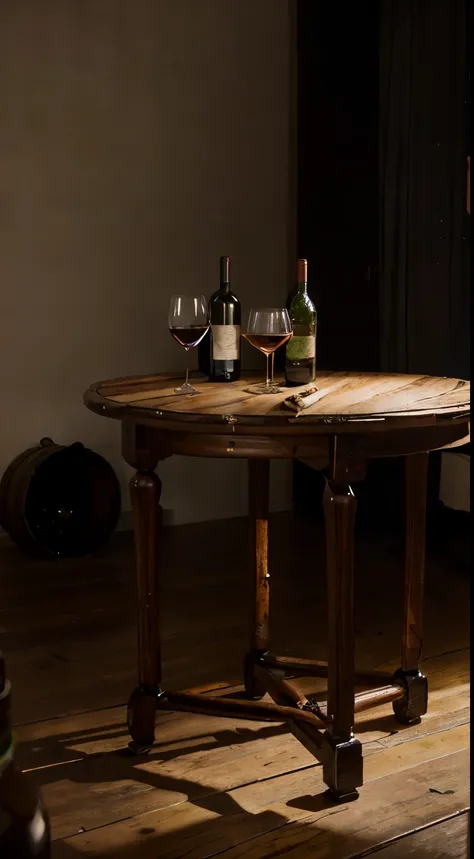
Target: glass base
[263,388]
[186,388]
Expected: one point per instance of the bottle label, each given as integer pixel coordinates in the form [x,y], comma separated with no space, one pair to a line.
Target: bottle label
[300,348]
[225,342]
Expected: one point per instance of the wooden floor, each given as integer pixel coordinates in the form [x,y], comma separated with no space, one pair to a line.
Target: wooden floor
[215,787]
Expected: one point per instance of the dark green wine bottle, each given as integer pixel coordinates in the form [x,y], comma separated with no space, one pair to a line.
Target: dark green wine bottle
[300,364]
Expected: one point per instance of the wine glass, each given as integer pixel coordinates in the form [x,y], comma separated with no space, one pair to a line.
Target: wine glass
[267,330]
[188,321]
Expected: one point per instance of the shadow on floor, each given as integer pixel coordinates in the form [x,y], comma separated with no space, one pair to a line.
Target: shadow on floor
[267,835]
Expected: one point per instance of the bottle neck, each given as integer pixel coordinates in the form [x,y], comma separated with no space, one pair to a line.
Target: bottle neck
[224,274]
[301,276]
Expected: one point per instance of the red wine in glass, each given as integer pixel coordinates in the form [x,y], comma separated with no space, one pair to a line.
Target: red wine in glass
[188,322]
[189,336]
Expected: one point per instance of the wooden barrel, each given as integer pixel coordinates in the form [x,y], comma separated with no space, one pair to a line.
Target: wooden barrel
[58,500]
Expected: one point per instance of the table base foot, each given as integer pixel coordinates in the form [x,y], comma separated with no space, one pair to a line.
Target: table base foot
[136,749]
[141,714]
[342,767]
[254,689]
[414,704]
[334,796]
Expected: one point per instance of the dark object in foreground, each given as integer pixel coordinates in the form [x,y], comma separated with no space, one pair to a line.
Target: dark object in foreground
[59,500]
[24,823]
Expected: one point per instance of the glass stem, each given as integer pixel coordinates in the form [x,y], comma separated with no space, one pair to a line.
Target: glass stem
[273,368]
[187,375]
[268,370]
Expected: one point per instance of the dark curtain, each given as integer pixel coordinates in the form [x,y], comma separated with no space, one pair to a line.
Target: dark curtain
[337,161]
[424,279]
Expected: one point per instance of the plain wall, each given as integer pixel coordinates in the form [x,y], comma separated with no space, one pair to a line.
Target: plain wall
[139,141]
[455,488]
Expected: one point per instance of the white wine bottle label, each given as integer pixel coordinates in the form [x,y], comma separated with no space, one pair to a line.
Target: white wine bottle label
[225,342]
[299,348]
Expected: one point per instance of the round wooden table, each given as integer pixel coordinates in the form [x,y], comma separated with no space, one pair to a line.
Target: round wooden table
[357,417]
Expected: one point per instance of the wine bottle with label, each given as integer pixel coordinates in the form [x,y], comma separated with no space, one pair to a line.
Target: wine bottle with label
[224,316]
[300,364]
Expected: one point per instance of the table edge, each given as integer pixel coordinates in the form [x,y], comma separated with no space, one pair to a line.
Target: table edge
[98,404]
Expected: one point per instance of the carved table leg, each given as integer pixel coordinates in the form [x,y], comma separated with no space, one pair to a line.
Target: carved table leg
[415,703]
[259,488]
[342,764]
[145,491]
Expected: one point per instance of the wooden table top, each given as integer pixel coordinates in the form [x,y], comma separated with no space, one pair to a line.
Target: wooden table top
[347,399]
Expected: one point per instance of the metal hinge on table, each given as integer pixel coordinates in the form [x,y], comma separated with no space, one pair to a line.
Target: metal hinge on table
[312,706]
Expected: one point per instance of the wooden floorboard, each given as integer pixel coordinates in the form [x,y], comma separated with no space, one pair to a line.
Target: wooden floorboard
[445,840]
[191,768]
[255,822]
[220,787]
